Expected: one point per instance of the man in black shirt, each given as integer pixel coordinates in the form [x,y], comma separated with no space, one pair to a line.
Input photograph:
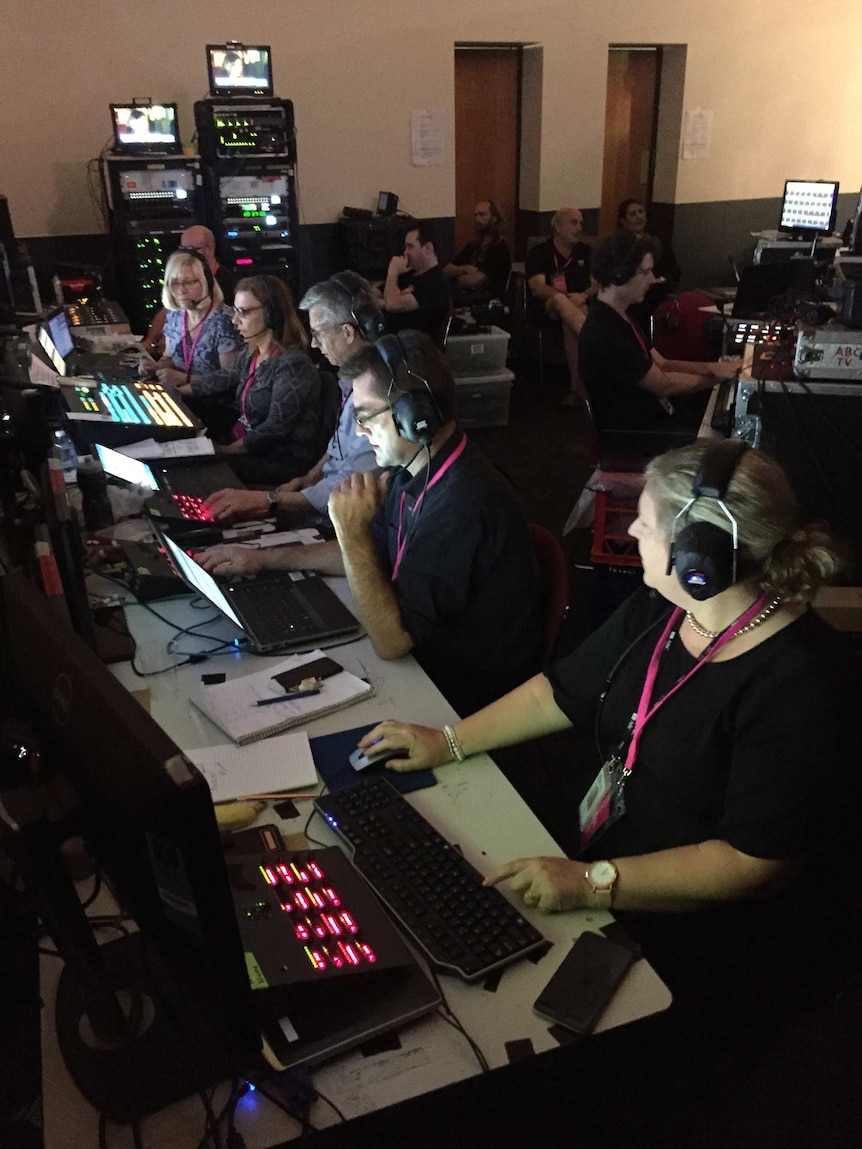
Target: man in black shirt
[416,294]
[558,278]
[480,271]
[437,551]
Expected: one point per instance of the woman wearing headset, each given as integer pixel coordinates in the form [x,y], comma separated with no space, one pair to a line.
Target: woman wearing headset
[266,409]
[719,818]
[199,334]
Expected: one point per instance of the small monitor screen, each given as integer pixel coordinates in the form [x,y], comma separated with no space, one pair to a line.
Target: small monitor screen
[58,326]
[120,466]
[238,70]
[809,206]
[194,575]
[143,129]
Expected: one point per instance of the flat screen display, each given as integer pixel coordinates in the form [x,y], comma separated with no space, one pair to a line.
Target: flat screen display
[55,340]
[145,129]
[239,70]
[809,206]
[120,466]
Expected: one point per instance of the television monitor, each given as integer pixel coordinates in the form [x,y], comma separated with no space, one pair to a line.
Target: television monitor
[146,129]
[809,207]
[239,69]
[147,816]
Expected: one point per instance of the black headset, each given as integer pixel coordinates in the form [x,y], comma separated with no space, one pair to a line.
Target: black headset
[209,278]
[416,412]
[366,315]
[272,315]
[625,270]
[706,557]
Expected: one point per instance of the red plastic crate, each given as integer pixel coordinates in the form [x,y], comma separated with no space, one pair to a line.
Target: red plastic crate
[612,543]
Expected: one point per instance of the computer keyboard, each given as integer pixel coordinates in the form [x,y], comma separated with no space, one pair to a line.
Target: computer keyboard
[192,507]
[435,895]
[270,613]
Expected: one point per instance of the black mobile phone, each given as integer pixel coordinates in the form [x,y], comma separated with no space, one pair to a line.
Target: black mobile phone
[320,668]
[577,994]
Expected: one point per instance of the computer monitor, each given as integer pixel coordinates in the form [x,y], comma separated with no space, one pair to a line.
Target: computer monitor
[55,339]
[147,816]
[239,69]
[146,129]
[855,242]
[809,207]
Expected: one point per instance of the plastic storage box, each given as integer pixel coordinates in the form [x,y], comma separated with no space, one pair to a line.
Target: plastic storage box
[478,353]
[483,400]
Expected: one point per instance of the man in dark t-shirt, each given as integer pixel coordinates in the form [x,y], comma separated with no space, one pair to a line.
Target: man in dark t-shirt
[558,278]
[480,271]
[416,294]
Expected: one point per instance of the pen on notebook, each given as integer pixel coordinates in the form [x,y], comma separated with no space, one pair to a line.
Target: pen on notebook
[286,697]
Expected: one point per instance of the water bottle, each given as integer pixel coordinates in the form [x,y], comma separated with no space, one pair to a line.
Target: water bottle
[93,485]
[68,453]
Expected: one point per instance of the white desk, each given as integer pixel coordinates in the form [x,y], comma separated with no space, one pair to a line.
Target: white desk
[473,805]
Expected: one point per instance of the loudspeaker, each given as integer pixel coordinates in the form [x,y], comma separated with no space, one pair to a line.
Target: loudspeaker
[704,556]
[272,315]
[367,316]
[416,413]
[208,275]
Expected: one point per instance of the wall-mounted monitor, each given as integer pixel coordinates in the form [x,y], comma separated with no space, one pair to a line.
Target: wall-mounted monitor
[239,69]
[808,208]
[146,129]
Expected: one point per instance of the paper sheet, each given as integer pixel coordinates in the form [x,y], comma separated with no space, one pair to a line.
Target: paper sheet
[280,765]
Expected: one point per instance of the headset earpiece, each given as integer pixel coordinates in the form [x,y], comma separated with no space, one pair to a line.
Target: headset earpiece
[209,278]
[366,315]
[415,413]
[705,557]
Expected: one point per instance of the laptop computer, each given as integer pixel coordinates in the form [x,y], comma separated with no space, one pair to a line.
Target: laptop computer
[276,610]
[179,490]
[761,284]
[54,336]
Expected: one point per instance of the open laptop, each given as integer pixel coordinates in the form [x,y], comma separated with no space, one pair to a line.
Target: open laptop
[55,338]
[179,490]
[276,610]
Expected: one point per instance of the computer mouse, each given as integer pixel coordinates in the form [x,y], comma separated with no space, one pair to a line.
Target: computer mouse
[360,760]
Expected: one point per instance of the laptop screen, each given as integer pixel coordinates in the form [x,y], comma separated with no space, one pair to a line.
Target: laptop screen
[199,579]
[120,466]
[58,326]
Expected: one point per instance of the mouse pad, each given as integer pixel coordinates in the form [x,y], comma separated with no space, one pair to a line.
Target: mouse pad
[331,753]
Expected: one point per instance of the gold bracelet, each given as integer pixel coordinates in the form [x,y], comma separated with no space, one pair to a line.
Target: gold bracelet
[455,750]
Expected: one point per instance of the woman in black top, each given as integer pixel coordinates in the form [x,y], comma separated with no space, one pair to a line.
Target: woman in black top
[741,799]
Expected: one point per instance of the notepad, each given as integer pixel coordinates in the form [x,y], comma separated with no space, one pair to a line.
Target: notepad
[233,705]
[281,765]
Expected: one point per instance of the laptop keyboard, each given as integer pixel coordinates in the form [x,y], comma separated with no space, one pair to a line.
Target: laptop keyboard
[271,616]
[436,896]
[192,507]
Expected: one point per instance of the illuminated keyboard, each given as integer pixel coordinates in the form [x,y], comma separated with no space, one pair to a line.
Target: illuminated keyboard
[141,404]
[434,894]
[192,507]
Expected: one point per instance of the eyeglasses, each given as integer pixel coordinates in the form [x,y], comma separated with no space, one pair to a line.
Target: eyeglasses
[185,284]
[316,332]
[363,420]
[242,312]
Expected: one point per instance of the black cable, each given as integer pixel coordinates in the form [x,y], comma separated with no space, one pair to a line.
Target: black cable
[447,1014]
[97,888]
[322,1097]
[212,1132]
[300,1117]
[613,673]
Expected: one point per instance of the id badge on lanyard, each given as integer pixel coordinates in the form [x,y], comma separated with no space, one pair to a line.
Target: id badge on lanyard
[604,802]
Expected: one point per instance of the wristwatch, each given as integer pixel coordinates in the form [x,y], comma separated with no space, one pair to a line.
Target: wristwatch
[602,877]
[272,500]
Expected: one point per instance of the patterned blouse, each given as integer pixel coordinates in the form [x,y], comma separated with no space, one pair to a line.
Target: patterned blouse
[218,336]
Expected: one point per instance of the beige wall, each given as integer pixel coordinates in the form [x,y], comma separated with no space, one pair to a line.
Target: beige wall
[779,75]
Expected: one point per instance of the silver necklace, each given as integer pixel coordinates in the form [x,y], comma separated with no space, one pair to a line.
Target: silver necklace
[763,615]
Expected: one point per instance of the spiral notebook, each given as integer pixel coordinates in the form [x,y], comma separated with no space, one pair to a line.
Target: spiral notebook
[233,705]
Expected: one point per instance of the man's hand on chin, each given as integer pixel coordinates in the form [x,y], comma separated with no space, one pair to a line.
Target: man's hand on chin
[355,502]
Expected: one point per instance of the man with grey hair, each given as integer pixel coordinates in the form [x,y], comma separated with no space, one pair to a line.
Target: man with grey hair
[343,315]
[558,276]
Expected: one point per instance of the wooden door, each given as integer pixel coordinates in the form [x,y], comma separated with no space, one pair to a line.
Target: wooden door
[630,123]
[487,130]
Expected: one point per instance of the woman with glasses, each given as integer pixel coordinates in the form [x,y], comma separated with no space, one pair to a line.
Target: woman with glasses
[266,410]
[199,334]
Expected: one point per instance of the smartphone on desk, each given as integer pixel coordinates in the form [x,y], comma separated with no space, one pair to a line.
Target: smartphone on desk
[320,668]
[580,990]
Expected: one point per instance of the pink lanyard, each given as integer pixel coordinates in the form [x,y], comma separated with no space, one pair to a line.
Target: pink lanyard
[189,356]
[252,373]
[638,336]
[401,545]
[644,711]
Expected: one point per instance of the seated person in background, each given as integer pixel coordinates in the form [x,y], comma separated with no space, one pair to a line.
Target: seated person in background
[437,552]
[630,385]
[558,278]
[480,271]
[265,411]
[343,316]
[198,331]
[200,239]
[632,217]
[416,294]
[725,711]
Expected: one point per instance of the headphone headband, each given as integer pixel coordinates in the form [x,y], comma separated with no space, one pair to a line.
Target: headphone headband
[416,412]
[209,278]
[366,315]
